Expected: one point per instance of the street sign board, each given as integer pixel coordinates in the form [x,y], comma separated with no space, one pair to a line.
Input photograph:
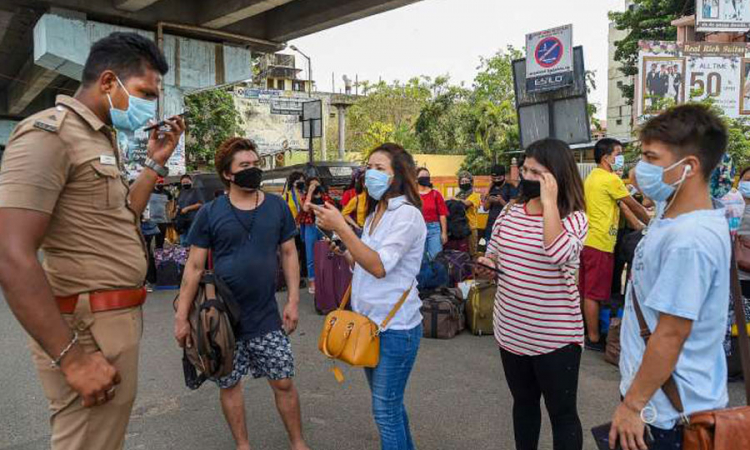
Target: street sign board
[560,114]
[722,16]
[312,110]
[549,59]
[317,128]
[671,73]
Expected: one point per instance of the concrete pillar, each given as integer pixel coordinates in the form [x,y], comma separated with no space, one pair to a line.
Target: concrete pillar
[6,128]
[342,131]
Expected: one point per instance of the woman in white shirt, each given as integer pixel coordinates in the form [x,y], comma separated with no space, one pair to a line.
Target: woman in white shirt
[386,261]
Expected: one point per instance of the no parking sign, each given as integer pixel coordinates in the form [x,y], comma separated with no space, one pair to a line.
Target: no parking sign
[549,59]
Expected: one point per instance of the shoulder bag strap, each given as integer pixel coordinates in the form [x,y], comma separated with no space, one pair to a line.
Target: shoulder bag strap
[741,320]
[390,315]
[669,387]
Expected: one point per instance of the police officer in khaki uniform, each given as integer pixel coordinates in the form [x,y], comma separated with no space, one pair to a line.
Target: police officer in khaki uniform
[62,189]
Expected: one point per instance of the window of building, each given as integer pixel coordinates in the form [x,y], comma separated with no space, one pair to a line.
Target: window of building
[619,84]
[619,121]
[280,85]
[620,111]
[269,83]
[298,85]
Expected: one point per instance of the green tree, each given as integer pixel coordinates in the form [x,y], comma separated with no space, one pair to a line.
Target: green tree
[387,113]
[645,20]
[443,125]
[212,119]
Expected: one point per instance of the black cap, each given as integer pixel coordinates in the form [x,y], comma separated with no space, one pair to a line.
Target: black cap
[498,170]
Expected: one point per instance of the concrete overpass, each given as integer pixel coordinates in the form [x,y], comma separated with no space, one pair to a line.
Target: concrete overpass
[43,43]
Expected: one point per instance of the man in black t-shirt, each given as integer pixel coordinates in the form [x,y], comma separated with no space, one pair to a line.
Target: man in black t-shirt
[189,201]
[501,192]
[246,230]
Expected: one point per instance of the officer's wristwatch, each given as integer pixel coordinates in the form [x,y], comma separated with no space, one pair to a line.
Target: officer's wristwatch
[156,167]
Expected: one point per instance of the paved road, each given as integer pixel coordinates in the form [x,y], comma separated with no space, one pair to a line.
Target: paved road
[457,398]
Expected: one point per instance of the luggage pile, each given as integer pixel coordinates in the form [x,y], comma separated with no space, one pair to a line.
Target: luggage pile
[170,265]
[451,299]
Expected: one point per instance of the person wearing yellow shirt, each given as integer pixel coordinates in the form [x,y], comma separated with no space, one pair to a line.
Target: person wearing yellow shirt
[604,193]
[358,204]
[294,190]
[472,200]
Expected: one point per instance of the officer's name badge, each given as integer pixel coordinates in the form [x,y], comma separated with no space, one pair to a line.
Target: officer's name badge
[108,160]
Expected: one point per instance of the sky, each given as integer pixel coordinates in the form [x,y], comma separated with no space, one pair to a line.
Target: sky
[436,37]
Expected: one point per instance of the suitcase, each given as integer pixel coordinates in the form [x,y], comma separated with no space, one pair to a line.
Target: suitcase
[480,307]
[332,278]
[612,350]
[460,245]
[442,314]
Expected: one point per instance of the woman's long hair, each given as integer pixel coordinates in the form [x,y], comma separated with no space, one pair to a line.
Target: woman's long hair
[404,176]
[556,156]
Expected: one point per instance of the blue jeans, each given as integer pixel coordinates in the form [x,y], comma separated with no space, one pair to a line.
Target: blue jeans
[398,351]
[433,245]
[310,235]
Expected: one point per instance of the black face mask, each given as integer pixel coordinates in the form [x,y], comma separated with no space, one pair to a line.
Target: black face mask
[249,178]
[499,183]
[424,181]
[159,188]
[465,187]
[300,185]
[187,186]
[531,189]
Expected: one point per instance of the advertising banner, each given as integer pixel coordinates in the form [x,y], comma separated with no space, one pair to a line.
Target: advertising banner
[670,73]
[722,15]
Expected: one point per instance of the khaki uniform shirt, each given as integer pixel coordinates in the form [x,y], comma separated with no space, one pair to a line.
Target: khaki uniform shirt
[65,162]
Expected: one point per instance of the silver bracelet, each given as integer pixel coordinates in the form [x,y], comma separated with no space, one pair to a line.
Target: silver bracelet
[56,362]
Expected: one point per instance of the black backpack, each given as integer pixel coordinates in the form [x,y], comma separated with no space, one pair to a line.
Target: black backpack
[458,224]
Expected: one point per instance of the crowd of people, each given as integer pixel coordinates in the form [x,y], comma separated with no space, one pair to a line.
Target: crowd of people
[551,247]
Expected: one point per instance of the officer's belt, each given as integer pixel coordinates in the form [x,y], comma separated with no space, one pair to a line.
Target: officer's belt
[105,300]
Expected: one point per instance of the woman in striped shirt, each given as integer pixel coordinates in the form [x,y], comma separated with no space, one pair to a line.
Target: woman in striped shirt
[536,244]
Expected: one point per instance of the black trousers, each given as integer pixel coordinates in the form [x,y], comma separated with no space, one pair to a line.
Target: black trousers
[159,244]
[554,376]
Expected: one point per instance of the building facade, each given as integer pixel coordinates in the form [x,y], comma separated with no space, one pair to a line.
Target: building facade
[619,112]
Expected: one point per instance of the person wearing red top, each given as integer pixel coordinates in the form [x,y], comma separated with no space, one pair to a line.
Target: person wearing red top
[435,214]
[316,195]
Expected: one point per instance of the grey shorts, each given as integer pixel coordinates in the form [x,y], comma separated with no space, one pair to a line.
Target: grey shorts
[269,356]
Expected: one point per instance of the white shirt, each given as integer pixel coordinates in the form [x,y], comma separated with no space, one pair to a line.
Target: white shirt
[399,240]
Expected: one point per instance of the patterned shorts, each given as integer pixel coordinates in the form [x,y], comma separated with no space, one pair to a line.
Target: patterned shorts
[268,356]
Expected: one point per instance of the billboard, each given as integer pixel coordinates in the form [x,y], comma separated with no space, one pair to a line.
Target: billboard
[272,118]
[722,15]
[549,59]
[133,151]
[670,73]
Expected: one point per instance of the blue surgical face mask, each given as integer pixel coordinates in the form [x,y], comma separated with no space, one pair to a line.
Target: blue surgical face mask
[377,183]
[619,163]
[137,115]
[650,180]
[744,188]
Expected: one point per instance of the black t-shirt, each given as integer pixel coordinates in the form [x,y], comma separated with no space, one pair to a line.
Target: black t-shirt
[508,192]
[189,197]
[247,264]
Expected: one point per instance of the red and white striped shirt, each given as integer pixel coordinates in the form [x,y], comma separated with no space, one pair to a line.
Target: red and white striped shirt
[537,305]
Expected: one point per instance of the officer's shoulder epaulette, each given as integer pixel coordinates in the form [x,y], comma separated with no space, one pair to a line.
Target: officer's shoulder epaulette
[50,120]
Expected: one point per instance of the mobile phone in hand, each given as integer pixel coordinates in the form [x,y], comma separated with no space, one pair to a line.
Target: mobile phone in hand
[331,236]
[601,437]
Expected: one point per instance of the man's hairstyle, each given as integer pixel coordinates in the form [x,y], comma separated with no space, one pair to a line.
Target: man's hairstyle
[498,171]
[227,150]
[690,130]
[126,54]
[605,147]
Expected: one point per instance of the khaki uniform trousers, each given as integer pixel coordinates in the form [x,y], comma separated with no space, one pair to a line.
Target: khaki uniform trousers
[117,335]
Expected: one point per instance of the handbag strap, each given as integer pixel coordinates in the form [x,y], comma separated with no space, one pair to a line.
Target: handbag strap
[390,315]
[670,386]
